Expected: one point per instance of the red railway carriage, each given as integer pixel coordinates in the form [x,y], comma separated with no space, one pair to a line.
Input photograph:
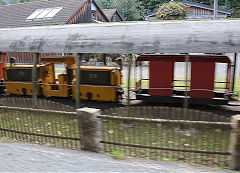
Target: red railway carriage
[202,88]
[3,63]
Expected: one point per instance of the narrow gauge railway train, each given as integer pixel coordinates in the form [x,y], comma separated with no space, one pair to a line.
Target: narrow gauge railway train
[103,83]
[203,87]
[97,83]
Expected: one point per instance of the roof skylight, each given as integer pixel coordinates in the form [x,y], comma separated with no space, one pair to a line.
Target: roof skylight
[44,13]
[35,14]
[53,12]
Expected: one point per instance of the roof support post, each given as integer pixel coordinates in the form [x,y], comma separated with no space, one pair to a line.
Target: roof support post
[34,78]
[234,71]
[78,58]
[185,103]
[105,59]
[130,56]
[215,8]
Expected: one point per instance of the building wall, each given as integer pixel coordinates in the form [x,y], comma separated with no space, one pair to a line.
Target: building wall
[27,57]
[194,13]
[83,15]
[118,18]
[201,11]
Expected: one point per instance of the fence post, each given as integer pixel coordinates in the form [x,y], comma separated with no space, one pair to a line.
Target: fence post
[91,127]
[235,143]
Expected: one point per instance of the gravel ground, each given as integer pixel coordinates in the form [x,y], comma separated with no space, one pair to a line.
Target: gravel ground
[21,157]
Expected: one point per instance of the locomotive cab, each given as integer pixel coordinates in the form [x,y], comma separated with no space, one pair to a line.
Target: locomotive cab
[56,82]
[18,79]
[99,83]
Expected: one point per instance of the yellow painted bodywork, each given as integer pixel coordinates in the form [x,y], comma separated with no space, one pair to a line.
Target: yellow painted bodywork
[19,86]
[99,93]
[49,85]
[59,89]
[52,86]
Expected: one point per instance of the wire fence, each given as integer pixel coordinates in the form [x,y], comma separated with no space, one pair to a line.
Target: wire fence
[168,134]
[40,126]
[158,133]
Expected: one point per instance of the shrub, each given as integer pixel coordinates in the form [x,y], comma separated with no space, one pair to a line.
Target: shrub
[172,11]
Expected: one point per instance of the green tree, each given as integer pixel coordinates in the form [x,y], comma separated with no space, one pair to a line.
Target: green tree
[105,4]
[129,9]
[172,11]
[2,2]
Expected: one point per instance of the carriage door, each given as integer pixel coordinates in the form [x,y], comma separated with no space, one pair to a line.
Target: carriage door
[202,79]
[161,78]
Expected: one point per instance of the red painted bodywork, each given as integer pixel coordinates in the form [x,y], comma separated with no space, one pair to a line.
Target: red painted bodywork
[161,70]
[202,77]
[3,62]
[161,76]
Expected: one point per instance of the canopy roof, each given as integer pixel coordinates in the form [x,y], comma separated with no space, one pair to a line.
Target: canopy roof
[220,36]
[181,58]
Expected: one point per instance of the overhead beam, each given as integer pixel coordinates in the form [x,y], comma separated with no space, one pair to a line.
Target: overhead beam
[217,36]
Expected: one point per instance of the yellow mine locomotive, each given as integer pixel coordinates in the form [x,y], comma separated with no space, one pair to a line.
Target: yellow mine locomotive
[99,83]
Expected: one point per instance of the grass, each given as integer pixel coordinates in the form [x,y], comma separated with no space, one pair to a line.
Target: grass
[118,154]
[50,124]
[170,136]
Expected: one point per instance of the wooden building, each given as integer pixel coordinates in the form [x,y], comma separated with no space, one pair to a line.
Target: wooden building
[196,11]
[113,15]
[48,12]
[202,11]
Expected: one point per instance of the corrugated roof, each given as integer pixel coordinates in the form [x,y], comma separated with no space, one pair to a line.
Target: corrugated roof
[15,15]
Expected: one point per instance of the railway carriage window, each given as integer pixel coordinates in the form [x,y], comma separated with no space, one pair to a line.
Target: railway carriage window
[180,75]
[59,69]
[20,74]
[220,76]
[95,77]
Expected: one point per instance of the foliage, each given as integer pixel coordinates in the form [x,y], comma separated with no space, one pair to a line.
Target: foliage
[136,9]
[2,2]
[172,11]
[129,9]
[153,5]
[118,154]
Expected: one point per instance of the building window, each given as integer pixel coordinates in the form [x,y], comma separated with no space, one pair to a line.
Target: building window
[114,18]
[94,15]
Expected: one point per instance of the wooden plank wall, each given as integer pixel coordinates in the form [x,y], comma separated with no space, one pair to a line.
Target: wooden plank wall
[83,15]
[201,11]
[27,57]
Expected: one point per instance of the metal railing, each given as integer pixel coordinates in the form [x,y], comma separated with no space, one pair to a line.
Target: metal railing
[163,133]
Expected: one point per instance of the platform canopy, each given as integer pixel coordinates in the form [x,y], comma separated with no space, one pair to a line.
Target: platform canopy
[220,36]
